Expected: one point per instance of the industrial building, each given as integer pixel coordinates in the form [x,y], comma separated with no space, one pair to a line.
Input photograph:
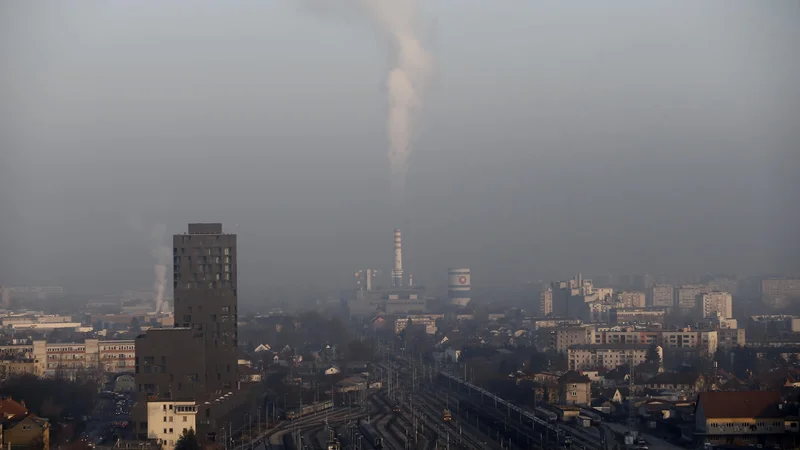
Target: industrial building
[399,298]
[458,287]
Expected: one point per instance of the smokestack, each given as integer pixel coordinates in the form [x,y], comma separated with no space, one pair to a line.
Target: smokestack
[397,272]
[369,279]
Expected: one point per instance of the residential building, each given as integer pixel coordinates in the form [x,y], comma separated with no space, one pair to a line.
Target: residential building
[643,282]
[600,310]
[705,341]
[687,296]
[779,291]
[688,384]
[604,293]
[168,420]
[546,302]
[20,428]
[197,361]
[637,316]
[626,335]
[631,299]
[569,336]
[575,389]
[729,338]
[748,417]
[65,359]
[426,321]
[662,296]
[724,284]
[606,355]
[205,291]
[717,303]
[10,368]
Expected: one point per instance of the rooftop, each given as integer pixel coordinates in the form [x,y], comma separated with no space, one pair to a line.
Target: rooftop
[609,347]
[751,404]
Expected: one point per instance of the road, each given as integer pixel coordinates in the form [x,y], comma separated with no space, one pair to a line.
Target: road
[653,442]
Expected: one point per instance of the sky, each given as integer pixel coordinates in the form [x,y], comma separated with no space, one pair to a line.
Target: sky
[554,137]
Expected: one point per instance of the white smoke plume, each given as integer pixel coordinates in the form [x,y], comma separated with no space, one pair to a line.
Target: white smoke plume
[406,81]
[155,235]
[397,21]
[162,254]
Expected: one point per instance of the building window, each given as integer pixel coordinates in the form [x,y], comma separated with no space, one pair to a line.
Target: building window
[227,251]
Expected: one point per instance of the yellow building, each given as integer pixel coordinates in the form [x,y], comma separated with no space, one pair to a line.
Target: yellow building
[10,368]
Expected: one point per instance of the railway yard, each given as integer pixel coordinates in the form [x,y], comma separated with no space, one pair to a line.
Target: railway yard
[427,410]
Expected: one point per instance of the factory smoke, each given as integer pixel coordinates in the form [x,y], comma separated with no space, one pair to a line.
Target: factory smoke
[162,255]
[406,80]
[155,235]
[396,21]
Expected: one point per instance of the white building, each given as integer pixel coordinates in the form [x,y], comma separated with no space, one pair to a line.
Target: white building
[567,337]
[610,356]
[167,420]
[717,303]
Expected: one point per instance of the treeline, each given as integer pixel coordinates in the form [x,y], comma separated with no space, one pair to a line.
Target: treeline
[53,399]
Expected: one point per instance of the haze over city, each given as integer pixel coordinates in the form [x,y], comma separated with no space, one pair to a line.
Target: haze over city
[399,224]
[608,137]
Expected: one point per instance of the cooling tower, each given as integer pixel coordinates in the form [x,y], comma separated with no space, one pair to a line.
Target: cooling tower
[458,286]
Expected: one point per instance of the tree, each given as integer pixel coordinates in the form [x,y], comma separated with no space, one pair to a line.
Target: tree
[135,326]
[187,441]
[652,355]
[538,362]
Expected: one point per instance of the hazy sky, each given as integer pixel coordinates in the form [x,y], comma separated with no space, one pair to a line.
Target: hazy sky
[613,136]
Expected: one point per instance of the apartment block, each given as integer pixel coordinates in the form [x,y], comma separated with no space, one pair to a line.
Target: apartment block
[632,299]
[688,296]
[779,291]
[610,356]
[717,304]
[546,302]
[662,296]
[566,337]
[168,420]
[638,316]
[67,359]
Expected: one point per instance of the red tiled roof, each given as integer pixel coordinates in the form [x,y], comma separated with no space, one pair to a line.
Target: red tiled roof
[750,404]
[10,408]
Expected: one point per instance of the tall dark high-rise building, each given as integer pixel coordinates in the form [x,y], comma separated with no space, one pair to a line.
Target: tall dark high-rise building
[196,361]
[204,270]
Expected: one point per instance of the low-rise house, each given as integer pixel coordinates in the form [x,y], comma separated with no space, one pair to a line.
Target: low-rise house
[687,383]
[575,389]
[21,428]
[657,410]
[332,370]
[742,418]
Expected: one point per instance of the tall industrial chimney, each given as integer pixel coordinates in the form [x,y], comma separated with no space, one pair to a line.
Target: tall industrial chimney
[397,272]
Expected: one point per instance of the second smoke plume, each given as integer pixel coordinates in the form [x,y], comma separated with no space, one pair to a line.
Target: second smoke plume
[406,81]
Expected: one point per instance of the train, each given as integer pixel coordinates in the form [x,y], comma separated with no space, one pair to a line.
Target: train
[309,409]
[369,433]
[545,414]
[592,415]
[446,416]
[396,407]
